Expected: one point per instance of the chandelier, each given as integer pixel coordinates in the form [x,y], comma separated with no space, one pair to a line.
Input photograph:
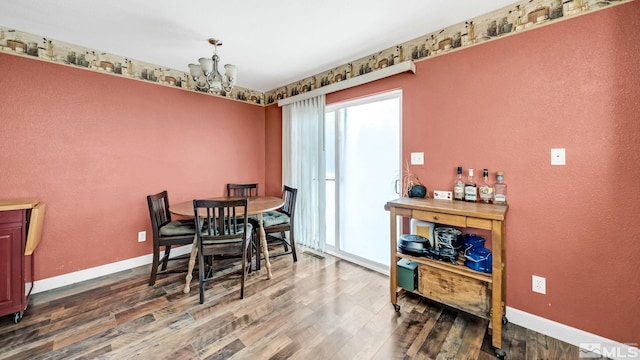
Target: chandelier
[208,70]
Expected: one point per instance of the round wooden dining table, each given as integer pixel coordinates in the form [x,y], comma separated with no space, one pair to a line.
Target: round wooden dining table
[256,205]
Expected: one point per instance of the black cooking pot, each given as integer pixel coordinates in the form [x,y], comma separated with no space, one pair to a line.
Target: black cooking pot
[448,237]
[412,244]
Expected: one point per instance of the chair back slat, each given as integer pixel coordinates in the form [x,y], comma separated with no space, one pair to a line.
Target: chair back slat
[222,220]
[242,190]
[159,210]
[290,195]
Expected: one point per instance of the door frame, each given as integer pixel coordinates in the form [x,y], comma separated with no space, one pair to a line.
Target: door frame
[335,249]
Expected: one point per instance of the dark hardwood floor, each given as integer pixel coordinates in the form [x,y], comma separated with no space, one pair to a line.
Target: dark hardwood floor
[317,308]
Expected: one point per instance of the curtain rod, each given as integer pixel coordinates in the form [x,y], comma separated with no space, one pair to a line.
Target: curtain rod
[354,81]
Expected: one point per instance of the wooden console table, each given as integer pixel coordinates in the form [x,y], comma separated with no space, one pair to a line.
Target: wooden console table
[456,285]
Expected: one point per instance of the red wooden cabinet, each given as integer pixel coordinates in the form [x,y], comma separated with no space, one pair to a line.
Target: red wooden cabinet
[16,268]
[12,241]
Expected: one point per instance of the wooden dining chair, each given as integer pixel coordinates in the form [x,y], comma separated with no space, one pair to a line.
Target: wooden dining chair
[248,190]
[223,232]
[276,223]
[166,233]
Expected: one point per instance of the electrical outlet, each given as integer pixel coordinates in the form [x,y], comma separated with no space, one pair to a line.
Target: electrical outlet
[558,156]
[142,236]
[538,284]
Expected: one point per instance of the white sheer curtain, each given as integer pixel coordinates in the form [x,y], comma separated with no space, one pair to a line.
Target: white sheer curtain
[303,167]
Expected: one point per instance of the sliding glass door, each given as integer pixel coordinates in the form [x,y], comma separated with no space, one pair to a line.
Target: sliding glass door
[362,142]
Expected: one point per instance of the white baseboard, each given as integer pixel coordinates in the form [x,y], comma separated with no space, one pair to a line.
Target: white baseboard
[582,339]
[88,274]
[383,269]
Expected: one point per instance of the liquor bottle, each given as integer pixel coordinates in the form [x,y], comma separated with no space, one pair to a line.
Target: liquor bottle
[458,186]
[485,190]
[500,190]
[470,189]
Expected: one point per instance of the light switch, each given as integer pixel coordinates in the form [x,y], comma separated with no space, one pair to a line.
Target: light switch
[417,158]
[558,156]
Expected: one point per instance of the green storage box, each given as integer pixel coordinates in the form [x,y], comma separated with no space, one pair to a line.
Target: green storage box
[408,274]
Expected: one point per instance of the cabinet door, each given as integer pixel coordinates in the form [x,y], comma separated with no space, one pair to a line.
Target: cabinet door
[10,265]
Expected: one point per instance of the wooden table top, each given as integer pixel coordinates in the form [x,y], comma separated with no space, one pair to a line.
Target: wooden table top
[17,204]
[474,209]
[255,205]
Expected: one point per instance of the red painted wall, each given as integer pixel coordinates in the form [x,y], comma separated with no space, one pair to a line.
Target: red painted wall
[87,145]
[92,146]
[503,105]
[273,150]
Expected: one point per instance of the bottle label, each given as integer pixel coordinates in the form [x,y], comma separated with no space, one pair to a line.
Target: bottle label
[500,198]
[485,192]
[470,193]
[458,192]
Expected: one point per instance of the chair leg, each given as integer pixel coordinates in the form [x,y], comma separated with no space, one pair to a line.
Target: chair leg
[293,246]
[154,264]
[244,271]
[165,258]
[258,245]
[284,242]
[249,256]
[202,274]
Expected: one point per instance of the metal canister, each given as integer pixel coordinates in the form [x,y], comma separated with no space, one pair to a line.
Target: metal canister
[447,237]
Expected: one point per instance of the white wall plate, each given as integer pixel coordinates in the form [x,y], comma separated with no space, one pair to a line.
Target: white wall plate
[442,195]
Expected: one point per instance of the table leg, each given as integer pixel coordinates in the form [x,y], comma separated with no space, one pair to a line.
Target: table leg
[263,244]
[192,263]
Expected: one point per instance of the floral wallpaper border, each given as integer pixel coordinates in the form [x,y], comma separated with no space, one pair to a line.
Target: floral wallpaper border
[42,48]
[510,20]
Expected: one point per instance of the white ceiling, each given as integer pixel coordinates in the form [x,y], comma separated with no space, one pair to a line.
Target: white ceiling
[273,43]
